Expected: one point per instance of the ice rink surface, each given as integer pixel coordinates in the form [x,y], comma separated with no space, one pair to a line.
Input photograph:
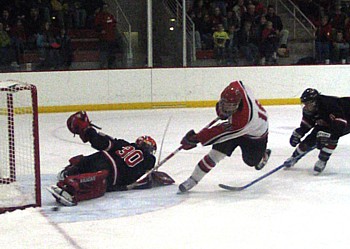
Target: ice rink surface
[291,209]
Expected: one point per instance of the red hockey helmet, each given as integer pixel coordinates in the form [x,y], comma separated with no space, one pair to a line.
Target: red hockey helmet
[230,99]
[147,143]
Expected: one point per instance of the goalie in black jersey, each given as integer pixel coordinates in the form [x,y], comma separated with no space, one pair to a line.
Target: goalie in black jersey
[327,118]
[116,165]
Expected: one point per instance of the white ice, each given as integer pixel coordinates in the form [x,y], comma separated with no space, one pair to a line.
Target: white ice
[288,210]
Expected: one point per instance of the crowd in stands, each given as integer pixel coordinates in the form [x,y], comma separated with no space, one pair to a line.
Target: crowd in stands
[236,30]
[246,30]
[43,25]
[253,32]
[332,36]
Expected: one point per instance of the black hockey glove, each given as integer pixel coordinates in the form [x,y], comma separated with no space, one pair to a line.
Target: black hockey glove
[295,138]
[322,139]
[189,141]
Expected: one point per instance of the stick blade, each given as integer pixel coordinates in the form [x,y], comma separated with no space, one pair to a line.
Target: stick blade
[231,188]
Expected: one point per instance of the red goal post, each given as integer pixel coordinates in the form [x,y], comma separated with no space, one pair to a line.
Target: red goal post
[19,146]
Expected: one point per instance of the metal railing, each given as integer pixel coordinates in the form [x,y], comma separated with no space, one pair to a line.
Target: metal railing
[123,24]
[298,18]
[176,9]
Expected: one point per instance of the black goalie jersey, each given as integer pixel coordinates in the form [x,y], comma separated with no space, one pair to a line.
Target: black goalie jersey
[125,161]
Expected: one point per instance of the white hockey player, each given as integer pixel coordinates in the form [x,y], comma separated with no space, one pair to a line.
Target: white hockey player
[246,126]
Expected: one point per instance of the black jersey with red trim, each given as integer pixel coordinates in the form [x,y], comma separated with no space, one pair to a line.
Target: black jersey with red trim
[331,112]
[128,161]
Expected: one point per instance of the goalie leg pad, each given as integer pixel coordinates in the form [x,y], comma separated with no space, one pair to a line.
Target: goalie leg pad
[86,186]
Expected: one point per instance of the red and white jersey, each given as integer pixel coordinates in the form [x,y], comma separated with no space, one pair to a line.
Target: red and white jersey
[249,120]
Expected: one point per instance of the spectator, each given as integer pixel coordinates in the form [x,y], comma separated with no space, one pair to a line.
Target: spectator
[311,10]
[197,19]
[48,48]
[20,9]
[218,18]
[232,19]
[57,12]
[91,7]
[340,48]
[323,38]
[18,40]
[337,19]
[269,44]
[199,6]
[206,31]
[32,27]
[347,29]
[232,46]
[62,10]
[277,24]
[5,47]
[259,7]
[221,4]
[250,16]
[6,20]
[44,7]
[105,24]
[247,41]
[79,14]
[65,49]
[220,38]
[240,8]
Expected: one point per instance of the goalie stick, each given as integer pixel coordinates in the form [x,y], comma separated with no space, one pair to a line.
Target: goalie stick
[233,188]
[133,185]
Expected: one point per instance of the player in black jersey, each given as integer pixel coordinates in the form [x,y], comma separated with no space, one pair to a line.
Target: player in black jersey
[327,118]
[116,165]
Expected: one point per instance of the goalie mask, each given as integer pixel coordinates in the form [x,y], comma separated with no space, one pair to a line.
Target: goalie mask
[309,99]
[230,100]
[147,144]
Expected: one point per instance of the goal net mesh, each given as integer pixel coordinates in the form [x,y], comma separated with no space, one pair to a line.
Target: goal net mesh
[19,147]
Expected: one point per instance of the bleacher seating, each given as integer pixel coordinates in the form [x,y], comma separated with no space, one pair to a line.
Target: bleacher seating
[84,44]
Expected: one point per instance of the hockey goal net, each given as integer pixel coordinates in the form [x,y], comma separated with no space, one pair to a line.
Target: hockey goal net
[19,147]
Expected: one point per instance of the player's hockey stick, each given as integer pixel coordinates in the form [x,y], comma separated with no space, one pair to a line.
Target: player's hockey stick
[232,188]
[133,185]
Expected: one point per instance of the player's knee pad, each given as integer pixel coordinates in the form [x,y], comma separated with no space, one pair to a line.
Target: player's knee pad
[85,186]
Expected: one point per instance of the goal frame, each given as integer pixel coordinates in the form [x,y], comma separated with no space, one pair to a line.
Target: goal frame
[11,111]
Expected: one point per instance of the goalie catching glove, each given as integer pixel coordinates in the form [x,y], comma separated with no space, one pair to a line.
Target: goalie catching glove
[78,123]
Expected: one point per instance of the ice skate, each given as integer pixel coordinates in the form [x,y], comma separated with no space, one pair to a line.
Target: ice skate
[61,196]
[290,162]
[264,160]
[319,166]
[187,185]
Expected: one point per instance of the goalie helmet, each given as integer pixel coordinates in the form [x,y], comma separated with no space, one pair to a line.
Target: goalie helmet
[230,99]
[147,144]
